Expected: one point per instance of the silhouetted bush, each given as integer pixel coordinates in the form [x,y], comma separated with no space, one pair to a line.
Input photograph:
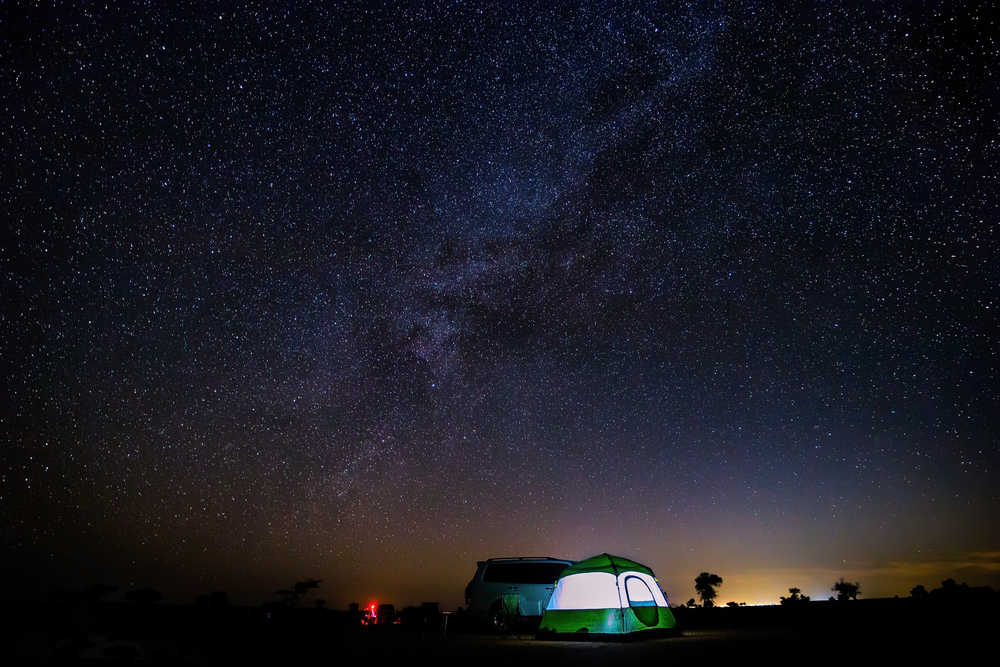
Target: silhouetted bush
[794,597]
[845,590]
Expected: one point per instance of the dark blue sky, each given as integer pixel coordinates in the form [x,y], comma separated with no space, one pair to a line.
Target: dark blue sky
[367,294]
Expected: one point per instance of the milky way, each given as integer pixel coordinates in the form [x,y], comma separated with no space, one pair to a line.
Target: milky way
[367,294]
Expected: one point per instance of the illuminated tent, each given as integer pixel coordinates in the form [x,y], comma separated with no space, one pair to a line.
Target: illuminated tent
[606,595]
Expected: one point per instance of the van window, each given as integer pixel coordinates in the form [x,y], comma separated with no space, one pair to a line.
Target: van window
[523,573]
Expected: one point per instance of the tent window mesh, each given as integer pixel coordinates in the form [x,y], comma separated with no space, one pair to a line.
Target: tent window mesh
[638,592]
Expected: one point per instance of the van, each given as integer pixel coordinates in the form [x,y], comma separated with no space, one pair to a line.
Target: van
[531,578]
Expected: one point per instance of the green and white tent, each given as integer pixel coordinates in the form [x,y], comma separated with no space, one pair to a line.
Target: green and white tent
[606,595]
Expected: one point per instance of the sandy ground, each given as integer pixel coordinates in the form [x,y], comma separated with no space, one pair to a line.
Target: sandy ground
[890,632]
[713,646]
[693,647]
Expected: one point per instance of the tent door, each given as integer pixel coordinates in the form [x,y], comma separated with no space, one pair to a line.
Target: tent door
[641,601]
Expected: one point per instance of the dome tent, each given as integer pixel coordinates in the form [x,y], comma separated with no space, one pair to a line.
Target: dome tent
[606,596]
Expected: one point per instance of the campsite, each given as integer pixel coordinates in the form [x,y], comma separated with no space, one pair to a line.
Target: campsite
[948,623]
[321,319]
[881,629]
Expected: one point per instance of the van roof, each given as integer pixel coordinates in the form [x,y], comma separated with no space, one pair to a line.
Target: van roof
[519,558]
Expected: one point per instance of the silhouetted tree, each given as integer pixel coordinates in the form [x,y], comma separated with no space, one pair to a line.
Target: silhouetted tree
[290,597]
[705,584]
[954,592]
[794,597]
[690,602]
[732,604]
[950,589]
[918,592]
[845,590]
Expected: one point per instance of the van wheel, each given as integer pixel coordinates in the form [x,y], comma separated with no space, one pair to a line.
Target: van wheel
[498,618]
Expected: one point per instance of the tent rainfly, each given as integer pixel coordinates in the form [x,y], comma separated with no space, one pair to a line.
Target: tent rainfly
[607,596]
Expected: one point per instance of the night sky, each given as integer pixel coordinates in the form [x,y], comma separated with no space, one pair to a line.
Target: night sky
[367,294]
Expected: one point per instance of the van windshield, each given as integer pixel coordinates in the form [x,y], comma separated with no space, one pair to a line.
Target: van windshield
[523,573]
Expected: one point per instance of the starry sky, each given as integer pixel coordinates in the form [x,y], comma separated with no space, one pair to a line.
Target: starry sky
[367,293]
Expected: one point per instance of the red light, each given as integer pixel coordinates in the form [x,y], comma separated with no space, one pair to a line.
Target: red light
[370,615]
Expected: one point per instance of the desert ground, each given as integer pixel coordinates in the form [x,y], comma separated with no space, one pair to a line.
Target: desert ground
[894,630]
